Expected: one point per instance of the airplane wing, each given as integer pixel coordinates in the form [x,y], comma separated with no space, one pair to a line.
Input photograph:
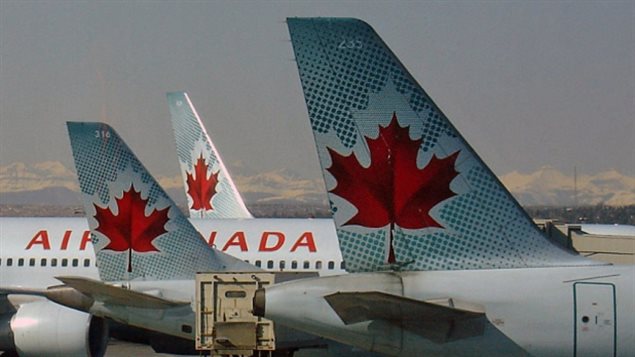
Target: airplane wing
[7,290]
[10,307]
[439,320]
[115,295]
[5,305]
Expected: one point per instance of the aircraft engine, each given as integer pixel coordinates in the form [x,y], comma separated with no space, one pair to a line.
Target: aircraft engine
[44,328]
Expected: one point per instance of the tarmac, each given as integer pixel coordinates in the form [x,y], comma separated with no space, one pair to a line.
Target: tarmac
[118,348]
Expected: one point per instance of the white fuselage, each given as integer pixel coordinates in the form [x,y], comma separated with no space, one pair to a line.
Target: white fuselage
[586,311]
[35,250]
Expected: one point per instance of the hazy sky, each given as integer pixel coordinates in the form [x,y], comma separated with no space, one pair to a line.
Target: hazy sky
[527,83]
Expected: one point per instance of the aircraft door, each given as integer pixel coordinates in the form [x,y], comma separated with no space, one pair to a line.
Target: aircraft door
[595,320]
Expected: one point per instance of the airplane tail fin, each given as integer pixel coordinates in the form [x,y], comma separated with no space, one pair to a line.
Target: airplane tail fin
[211,192]
[406,190]
[137,230]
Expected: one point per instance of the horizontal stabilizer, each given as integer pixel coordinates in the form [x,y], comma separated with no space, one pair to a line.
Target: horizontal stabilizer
[114,295]
[439,320]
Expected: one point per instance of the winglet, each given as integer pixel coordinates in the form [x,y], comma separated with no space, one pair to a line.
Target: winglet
[210,190]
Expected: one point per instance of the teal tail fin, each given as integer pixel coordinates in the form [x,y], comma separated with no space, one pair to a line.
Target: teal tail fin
[406,190]
[137,230]
[210,190]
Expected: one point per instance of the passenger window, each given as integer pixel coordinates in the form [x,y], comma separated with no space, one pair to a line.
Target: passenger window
[318,265]
[343,265]
[54,262]
[294,265]
[86,263]
[331,265]
[20,262]
[258,263]
[270,264]
[75,262]
[282,264]
[9,262]
[32,262]
[64,262]
[306,265]
[0,262]
[43,262]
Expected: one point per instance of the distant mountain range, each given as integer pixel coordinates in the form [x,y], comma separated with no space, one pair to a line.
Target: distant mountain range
[52,183]
[550,187]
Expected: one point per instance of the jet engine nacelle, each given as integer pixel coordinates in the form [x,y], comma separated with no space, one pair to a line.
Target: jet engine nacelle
[44,328]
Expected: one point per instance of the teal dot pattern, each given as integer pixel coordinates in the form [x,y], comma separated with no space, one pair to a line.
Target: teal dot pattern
[191,141]
[352,84]
[371,246]
[106,168]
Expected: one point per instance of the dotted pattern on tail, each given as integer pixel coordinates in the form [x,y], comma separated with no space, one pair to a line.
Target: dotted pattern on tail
[106,168]
[353,84]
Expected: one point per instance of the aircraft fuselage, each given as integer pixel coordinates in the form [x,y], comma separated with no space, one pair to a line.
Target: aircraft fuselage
[542,311]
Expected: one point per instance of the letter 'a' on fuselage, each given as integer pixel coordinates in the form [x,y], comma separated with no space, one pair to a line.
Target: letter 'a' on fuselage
[210,190]
[406,190]
[137,230]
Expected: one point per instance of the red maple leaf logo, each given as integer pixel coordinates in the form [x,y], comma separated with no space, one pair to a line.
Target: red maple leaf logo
[131,229]
[201,188]
[393,190]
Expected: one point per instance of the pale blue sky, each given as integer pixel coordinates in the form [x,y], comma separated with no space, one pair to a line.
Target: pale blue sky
[528,83]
